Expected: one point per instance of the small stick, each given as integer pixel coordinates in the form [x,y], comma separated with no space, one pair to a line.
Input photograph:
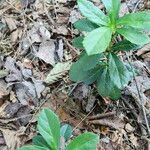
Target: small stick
[99,116]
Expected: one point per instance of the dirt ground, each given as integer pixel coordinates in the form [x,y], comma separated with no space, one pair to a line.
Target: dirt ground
[36,53]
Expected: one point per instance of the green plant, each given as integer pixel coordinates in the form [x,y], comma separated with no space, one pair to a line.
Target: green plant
[50,133]
[100,62]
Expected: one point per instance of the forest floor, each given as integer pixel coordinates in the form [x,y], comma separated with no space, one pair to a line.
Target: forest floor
[36,40]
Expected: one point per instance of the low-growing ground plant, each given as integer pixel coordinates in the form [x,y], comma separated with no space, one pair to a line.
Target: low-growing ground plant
[100,62]
[50,134]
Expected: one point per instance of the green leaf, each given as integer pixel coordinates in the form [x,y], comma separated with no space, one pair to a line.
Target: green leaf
[118,71]
[84,141]
[77,74]
[33,147]
[97,41]
[85,25]
[139,20]
[49,128]
[92,12]
[85,69]
[87,62]
[134,36]
[112,7]
[78,42]
[106,86]
[39,141]
[66,131]
[125,45]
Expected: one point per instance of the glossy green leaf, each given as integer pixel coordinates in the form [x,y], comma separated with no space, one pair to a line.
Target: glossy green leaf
[77,74]
[85,141]
[134,36]
[125,45]
[106,86]
[87,62]
[112,7]
[49,128]
[139,20]
[78,42]
[33,147]
[118,71]
[66,131]
[97,41]
[85,25]
[92,12]
[39,141]
[85,69]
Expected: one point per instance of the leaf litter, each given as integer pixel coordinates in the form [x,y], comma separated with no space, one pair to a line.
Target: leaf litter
[35,55]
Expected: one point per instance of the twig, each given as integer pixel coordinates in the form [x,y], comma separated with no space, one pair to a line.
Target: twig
[84,118]
[99,116]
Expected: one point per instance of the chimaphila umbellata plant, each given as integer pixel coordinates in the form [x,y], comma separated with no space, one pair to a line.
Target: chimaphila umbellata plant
[100,62]
[50,135]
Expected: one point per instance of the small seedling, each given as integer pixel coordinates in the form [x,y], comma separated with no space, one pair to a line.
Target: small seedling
[50,134]
[100,62]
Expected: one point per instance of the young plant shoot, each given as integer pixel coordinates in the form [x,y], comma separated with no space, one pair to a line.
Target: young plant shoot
[99,62]
[50,134]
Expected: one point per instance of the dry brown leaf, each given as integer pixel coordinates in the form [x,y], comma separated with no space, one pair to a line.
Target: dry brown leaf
[11,138]
[114,122]
[143,50]
[11,23]
[13,28]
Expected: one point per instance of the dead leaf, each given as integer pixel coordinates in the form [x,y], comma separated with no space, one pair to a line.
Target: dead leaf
[133,140]
[129,128]
[26,93]
[74,16]
[4,92]
[57,72]
[13,28]
[46,52]
[11,109]
[81,91]
[11,23]
[143,50]
[90,103]
[38,33]
[61,30]
[3,73]
[115,122]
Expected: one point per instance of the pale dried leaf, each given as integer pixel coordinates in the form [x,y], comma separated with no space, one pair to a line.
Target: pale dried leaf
[11,23]
[47,52]
[38,33]
[11,138]
[143,50]
[58,72]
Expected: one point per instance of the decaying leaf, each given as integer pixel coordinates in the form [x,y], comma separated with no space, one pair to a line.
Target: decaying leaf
[57,72]
[11,138]
[38,33]
[47,52]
